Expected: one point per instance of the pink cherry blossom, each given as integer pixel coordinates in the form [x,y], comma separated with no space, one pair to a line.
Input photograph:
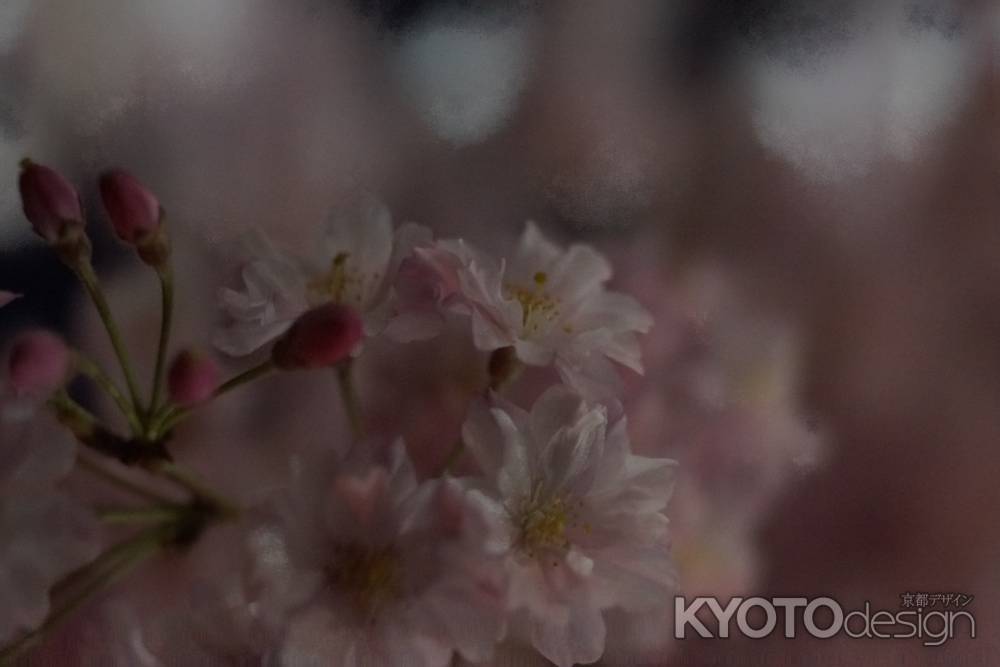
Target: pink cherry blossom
[549,303]
[359,257]
[583,518]
[371,567]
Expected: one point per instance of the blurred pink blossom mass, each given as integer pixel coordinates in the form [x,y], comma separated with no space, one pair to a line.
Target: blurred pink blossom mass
[375,332]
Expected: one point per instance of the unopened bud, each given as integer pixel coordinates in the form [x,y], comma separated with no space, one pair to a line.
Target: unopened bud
[193,378]
[50,202]
[323,336]
[133,210]
[136,216]
[39,364]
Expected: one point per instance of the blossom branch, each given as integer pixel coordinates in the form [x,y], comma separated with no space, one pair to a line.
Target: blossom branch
[120,481]
[108,568]
[170,416]
[91,370]
[85,272]
[166,276]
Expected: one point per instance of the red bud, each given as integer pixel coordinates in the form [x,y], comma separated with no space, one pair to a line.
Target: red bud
[39,364]
[134,210]
[51,203]
[192,379]
[321,337]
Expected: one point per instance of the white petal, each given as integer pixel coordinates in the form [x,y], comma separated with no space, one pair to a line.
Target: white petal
[553,410]
[571,454]
[590,374]
[578,274]
[579,641]
[483,438]
[534,253]
[364,234]
[614,311]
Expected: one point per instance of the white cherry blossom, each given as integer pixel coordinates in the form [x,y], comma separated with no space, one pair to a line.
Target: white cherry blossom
[550,304]
[583,519]
[358,258]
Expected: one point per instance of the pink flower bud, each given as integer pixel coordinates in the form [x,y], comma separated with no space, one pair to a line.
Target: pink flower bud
[50,202]
[39,363]
[134,210]
[321,337]
[192,379]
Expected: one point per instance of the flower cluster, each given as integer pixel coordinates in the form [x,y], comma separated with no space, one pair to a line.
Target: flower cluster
[540,523]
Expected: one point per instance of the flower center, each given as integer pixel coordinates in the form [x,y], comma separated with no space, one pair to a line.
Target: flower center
[371,577]
[542,524]
[341,283]
[539,309]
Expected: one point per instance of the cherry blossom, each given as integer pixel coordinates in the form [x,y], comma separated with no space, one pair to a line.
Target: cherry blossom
[550,304]
[373,568]
[583,518]
[360,257]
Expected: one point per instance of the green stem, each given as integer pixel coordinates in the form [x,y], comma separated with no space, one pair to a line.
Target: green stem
[109,567]
[85,271]
[91,370]
[120,481]
[160,514]
[171,416]
[72,415]
[349,397]
[166,276]
[190,482]
[243,378]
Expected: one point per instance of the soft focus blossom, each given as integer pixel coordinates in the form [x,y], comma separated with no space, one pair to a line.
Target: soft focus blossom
[549,303]
[44,534]
[356,267]
[376,569]
[38,364]
[583,518]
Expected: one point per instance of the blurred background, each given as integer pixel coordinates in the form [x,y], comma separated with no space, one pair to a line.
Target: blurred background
[805,193]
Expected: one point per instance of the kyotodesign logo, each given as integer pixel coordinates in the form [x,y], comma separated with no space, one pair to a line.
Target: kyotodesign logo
[824,617]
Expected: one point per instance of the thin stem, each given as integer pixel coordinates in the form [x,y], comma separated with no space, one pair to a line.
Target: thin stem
[85,271]
[109,567]
[171,416]
[189,481]
[243,378]
[139,515]
[349,397]
[72,415]
[166,276]
[97,374]
[115,479]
